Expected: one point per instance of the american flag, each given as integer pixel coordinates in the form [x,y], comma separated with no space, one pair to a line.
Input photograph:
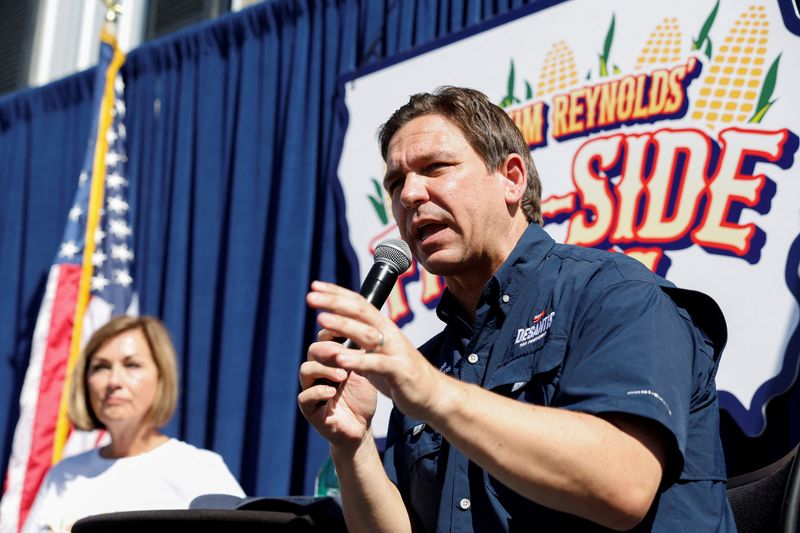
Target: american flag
[89,282]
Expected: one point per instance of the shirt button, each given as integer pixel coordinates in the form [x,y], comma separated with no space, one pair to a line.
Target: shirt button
[464,503]
[472,358]
[506,298]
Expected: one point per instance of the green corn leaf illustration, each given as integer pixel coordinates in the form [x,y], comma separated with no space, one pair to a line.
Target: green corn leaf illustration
[609,39]
[603,58]
[377,202]
[528,90]
[709,48]
[508,102]
[766,90]
[511,82]
[697,43]
[589,74]
[616,70]
[509,99]
[759,115]
[378,188]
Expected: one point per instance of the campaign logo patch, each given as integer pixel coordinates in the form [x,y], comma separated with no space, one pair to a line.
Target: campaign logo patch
[539,328]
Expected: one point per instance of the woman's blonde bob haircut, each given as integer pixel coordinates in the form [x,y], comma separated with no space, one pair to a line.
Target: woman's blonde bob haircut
[80,408]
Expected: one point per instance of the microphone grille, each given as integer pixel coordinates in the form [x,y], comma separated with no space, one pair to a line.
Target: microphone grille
[394,252]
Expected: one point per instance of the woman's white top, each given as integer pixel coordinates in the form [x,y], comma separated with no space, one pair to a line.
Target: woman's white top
[169,476]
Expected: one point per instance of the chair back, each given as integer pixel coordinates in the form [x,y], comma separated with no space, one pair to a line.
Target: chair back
[768,499]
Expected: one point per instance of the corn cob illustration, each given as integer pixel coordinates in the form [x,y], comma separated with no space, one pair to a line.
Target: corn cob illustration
[730,87]
[663,47]
[559,71]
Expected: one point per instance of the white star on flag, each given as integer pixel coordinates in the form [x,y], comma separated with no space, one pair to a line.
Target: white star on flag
[118,228]
[99,235]
[121,252]
[98,258]
[111,136]
[119,107]
[117,204]
[99,282]
[113,158]
[83,177]
[75,213]
[123,277]
[115,181]
[68,249]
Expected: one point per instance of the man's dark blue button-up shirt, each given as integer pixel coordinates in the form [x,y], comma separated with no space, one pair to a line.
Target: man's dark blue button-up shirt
[585,330]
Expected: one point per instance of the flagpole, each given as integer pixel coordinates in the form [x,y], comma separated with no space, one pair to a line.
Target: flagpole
[96,196]
[113,10]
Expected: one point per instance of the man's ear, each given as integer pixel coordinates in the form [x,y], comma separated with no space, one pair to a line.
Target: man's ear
[516,176]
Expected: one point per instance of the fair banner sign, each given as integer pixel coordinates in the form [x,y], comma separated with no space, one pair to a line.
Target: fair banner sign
[667,131]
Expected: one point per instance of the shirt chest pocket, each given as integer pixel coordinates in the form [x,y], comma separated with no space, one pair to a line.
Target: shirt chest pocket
[420,440]
[530,373]
[424,468]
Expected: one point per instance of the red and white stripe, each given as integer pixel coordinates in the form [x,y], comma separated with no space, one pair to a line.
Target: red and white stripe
[32,448]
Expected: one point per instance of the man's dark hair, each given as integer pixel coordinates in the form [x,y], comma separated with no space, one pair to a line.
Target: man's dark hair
[487,128]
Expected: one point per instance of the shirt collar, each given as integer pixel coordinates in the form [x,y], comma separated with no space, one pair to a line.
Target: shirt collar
[508,281]
[521,264]
[450,312]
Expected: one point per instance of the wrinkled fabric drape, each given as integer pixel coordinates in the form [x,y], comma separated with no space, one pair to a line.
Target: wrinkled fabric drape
[233,138]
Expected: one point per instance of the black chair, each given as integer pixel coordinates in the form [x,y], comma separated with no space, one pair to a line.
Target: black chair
[215,513]
[768,499]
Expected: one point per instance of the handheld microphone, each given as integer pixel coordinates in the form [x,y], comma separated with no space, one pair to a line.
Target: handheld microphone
[392,258]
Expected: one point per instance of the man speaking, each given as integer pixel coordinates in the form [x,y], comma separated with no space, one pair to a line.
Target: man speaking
[571,388]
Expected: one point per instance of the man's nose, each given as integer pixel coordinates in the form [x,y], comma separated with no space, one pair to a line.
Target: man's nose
[415,190]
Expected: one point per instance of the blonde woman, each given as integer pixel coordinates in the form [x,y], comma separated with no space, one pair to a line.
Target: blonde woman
[126,382]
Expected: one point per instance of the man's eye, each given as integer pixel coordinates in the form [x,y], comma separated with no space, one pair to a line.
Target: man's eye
[435,167]
[393,185]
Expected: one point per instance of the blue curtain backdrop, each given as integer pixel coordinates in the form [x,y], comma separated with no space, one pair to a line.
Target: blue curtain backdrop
[234,141]
[233,144]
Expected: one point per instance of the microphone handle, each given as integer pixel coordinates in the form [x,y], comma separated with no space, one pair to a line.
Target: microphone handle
[378,284]
[376,289]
